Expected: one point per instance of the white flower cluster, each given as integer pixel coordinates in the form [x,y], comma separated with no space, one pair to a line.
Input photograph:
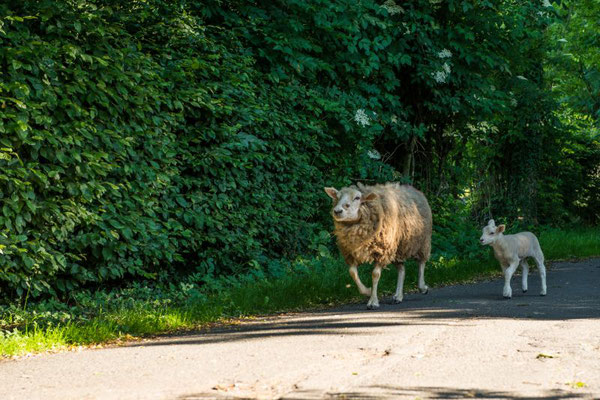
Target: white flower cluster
[444,53]
[392,8]
[361,118]
[374,154]
[546,3]
[441,76]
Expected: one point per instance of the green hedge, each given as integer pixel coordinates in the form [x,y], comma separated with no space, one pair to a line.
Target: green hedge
[138,141]
[155,139]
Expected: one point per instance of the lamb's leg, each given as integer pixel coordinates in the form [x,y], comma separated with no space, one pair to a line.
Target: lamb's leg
[400,285]
[423,288]
[542,268]
[508,273]
[373,301]
[361,288]
[525,267]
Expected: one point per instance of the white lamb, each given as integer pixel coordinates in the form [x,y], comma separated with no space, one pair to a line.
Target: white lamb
[512,250]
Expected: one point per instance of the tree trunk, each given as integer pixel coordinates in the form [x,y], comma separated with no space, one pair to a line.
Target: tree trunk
[409,158]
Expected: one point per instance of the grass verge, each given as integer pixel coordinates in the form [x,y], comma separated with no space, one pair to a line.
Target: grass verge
[140,311]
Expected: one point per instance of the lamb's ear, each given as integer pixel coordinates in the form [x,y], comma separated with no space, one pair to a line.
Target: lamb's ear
[332,192]
[491,223]
[500,229]
[369,197]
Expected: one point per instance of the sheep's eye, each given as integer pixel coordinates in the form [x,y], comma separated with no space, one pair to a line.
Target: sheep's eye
[357,198]
[491,233]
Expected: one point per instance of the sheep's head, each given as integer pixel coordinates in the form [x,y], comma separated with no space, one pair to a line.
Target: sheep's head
[491,233]
[347,202]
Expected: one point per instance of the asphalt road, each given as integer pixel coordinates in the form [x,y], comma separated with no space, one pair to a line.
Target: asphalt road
[457,342]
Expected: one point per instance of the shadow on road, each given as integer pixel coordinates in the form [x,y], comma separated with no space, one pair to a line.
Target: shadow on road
[306,326]
[573,293]
[388,392]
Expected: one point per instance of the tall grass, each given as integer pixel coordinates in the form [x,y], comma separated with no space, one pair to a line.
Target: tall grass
[322,282]
[579,243]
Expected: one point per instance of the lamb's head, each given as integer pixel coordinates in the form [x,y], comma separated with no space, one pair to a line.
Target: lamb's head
[491,233]
[347,203]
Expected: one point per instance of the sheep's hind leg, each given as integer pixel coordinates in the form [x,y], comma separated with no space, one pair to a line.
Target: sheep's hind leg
[353,270]
[542,268]
[373,301]
[400,285]
[423,288]
[525,267]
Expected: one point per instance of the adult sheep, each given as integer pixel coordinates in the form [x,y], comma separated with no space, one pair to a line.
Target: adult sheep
[382,224]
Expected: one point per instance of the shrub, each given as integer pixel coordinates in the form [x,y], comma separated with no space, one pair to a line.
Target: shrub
[167,139]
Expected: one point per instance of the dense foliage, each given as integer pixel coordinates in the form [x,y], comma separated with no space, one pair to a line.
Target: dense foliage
[573,69]
[152,139]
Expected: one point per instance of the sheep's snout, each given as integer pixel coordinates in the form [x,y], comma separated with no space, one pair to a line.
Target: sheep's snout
[485,240]
[347,205]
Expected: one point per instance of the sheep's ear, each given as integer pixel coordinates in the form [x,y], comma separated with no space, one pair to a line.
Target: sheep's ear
[500,229]
[370,197]
[491,223]
[332,192]
[361,187]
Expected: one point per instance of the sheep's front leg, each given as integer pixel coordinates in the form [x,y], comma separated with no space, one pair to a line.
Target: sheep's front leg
[508,273]
[361,288]
[423,288]
[373,301]
[525,267]
[399,295]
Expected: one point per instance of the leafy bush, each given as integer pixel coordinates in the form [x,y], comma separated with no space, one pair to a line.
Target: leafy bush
[161,139]
[138,142]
